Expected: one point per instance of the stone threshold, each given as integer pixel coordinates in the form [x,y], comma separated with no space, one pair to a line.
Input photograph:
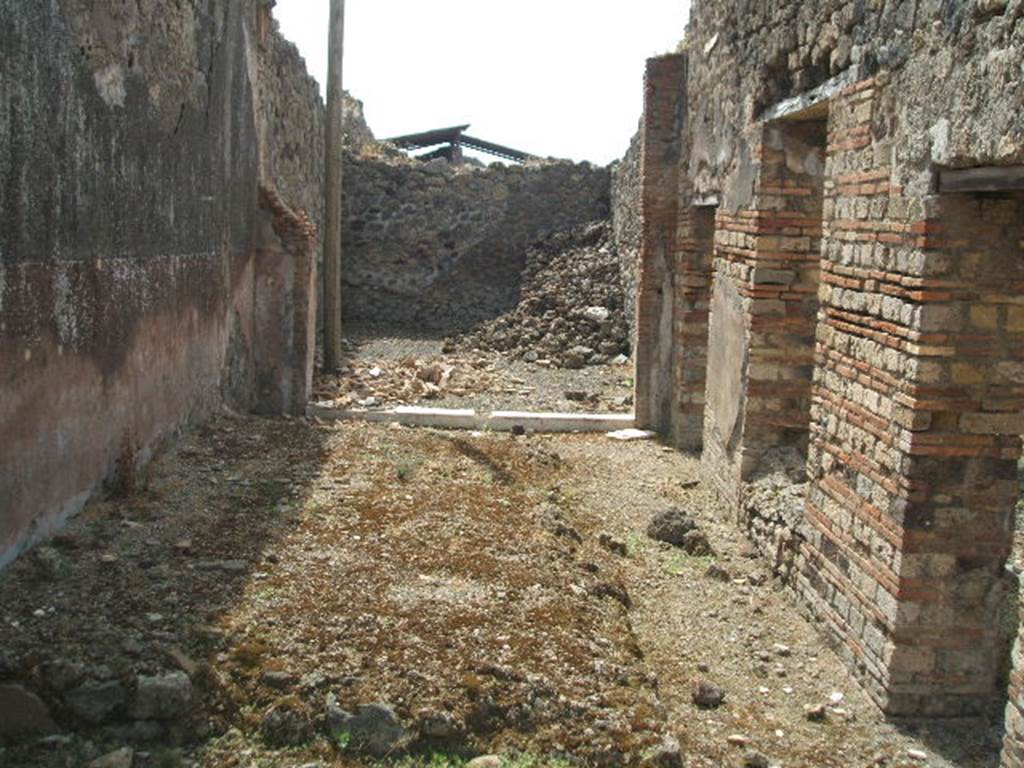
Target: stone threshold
[495,421]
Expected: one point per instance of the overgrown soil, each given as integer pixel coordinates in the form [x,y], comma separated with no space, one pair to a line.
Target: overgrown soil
[475,583]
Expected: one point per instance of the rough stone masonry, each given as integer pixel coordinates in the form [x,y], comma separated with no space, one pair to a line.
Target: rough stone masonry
[441,246]
[832,267]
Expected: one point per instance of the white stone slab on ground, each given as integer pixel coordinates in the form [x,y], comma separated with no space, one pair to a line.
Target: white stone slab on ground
[498,421]
[627,435]
[407,415]
[506,421]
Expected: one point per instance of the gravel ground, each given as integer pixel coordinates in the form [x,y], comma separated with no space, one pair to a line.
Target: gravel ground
[743,635]
[498,593]
[497,383]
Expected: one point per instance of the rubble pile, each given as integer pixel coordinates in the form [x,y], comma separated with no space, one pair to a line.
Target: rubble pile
[773,507]
[385,383]
[571,310]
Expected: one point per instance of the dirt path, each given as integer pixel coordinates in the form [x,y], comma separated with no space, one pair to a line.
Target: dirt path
[743,635]
[270,582]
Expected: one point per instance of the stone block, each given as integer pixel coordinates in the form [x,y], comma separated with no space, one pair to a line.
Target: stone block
[984,317]
[164,697]
[967,374]
[992,423]
[23,715]
[763,276]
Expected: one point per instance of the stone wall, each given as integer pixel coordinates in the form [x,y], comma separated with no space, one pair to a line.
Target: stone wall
[441,247]
[293,121]
[857,326]
[626,220]
[140,270]
[954,67]
[889,108]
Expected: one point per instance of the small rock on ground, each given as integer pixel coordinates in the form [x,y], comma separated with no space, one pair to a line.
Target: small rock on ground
[163,697]
[23,714]
[708,696]
[121,758]
[696,543]
[286,725]
[817,713]
[612,544]
[94,702]
[373,728]
[667,755]
[671,526]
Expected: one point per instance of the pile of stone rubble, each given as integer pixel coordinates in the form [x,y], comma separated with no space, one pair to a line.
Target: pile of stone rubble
[372,384]
[571,308]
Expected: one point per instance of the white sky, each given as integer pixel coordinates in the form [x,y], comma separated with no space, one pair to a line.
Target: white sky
[559,78]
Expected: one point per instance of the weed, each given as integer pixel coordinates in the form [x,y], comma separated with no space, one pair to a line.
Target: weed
[527,760]
[405,468]
[343,740]
[636,544]
[406,460]
[678,563]
[125,479]
[435,760]
[438,760]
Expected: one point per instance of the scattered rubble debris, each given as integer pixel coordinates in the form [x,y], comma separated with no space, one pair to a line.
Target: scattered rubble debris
[571,307]
[411,380]
[773,507]
[385,371]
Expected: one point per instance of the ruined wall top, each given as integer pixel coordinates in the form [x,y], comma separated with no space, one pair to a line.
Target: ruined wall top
[293,121]
[956,67]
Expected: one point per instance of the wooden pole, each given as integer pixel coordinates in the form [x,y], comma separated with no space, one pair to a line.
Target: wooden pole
[332,191]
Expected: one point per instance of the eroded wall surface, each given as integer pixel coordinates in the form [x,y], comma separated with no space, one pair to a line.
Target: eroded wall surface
[129,175]
[626,220]
[439,246]
[662,144]
[672,261]
[292,122]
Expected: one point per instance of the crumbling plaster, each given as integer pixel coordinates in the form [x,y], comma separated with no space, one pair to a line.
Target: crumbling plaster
[129,176]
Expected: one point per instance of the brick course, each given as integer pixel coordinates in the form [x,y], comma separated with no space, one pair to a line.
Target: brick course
[658,347]
[769,253]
